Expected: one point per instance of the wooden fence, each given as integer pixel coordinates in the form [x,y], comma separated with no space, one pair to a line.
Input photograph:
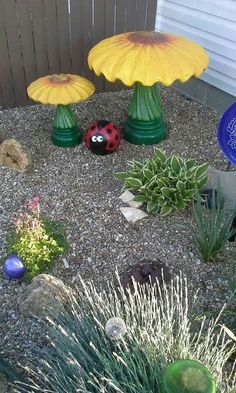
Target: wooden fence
[40,37]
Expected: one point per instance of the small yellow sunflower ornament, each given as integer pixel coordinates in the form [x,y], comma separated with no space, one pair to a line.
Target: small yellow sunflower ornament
[147,58]
[62,90]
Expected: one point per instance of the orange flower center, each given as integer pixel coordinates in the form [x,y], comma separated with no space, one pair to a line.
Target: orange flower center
[148,38]
[59,79]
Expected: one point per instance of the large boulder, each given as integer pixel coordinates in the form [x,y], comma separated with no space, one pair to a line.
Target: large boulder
[44,295]
[13,156]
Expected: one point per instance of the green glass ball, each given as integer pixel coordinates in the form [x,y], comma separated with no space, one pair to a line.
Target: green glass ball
[188,376]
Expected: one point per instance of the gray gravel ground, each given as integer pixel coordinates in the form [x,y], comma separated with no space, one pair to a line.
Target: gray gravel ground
[79,189]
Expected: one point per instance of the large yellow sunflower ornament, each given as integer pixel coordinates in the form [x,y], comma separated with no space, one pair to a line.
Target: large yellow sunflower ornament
[147,58]
[62,90]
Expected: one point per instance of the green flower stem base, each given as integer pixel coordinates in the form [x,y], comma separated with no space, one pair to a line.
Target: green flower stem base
[65,131]
[145,123]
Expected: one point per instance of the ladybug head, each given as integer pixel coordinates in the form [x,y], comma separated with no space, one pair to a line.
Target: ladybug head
[98,143]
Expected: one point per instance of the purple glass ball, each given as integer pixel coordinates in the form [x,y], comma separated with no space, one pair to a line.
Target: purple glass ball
[13,267]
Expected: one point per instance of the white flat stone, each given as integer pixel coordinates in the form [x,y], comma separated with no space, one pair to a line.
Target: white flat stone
[132,214]
[65,263]
[127,197]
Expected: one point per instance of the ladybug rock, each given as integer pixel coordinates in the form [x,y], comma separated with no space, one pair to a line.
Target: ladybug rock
[102,137]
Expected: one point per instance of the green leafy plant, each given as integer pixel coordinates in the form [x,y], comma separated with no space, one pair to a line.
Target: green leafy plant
[123,341]
[36,240]
[212,227]
[164,183]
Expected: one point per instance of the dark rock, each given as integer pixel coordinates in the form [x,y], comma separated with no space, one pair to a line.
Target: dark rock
[145,272]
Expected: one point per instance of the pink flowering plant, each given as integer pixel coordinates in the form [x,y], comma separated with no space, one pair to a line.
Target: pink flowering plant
[36,240]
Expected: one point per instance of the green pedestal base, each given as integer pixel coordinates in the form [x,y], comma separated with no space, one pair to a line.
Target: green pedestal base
[141,132]
[66,137]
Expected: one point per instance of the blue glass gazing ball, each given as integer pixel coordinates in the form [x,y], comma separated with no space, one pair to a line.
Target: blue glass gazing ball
[13,267]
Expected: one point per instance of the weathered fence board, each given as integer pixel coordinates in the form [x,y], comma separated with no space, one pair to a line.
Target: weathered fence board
[141,15]
[64,35]
[87,36]
[151,14]
[120,20]
[14,50]
[27,41]
[109,31]
[131,14]
[99,34]
[76,23]
[1,99]
[7,87]
[40,37]
[52,36]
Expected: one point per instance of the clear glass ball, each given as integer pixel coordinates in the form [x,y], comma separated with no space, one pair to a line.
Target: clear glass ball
[115,328]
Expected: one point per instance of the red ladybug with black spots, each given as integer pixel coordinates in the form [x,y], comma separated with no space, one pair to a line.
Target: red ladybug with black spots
[103,137]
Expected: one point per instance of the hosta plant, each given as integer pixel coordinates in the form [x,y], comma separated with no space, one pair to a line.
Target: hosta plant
[120,341]
[36,240]
[164,183]
[212,226]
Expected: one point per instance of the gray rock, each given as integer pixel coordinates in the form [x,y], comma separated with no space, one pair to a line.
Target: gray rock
[227,182]
[45,293]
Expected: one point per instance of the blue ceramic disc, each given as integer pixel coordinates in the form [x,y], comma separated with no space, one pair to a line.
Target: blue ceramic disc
[227,133]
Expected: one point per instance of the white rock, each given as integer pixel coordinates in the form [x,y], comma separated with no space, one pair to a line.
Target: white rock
[132,214]
[127,197]
[65,263]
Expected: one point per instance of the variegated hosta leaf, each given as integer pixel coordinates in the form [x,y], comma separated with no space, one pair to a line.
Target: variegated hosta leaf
[132,182]
[147,173]
[164,182]
[175,165]
[165,210]
[201,170]
[121,176]
[140,198]
[160,155]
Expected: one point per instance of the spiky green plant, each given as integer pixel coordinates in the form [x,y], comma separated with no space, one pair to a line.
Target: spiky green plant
[232,283]
[9,371]
[152,328]
[211,227]
[164,183]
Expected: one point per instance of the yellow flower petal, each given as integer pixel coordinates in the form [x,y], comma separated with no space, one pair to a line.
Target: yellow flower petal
[148,58]
[60,89]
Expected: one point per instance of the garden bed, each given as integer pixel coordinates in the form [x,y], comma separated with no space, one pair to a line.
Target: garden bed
[79,189]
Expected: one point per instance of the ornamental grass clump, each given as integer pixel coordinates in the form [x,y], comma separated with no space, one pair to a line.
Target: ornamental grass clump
[212,226]
[164,183]
[36,240]
[123,341]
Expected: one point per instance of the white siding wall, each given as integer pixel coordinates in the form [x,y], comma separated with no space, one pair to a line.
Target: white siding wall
[211,23]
